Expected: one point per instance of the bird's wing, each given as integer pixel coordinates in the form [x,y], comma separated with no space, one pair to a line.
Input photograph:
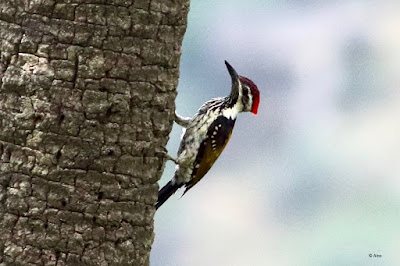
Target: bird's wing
[212,146]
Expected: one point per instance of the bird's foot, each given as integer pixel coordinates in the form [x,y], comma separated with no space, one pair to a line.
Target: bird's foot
[182,121]
[164,154]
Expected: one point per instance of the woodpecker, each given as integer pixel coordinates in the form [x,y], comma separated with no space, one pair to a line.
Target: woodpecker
[207,133]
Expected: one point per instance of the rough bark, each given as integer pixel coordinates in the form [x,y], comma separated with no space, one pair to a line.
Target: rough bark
[87,90]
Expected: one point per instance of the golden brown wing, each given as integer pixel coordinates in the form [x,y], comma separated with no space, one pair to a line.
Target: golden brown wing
[210,149]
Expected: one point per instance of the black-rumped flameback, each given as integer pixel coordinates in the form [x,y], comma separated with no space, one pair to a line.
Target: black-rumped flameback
[208,132]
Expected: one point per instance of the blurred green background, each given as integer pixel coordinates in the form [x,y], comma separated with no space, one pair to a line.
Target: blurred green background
[314,178]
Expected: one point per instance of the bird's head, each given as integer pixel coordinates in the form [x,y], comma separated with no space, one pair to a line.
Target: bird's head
[244,90]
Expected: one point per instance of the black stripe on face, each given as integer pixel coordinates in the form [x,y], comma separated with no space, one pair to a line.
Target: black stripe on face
[245,96]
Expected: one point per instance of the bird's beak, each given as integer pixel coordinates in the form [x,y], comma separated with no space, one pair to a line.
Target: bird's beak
[232,71]
[235,81]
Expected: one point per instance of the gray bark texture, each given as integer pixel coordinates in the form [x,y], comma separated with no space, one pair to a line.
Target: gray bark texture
[87,90]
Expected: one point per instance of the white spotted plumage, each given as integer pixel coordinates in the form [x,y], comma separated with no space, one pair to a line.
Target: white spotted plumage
[206,134]
[194,135]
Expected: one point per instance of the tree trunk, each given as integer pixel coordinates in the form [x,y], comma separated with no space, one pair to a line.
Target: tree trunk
[87,90]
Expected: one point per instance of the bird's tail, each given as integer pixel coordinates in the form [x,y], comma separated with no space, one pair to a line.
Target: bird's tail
[165,193]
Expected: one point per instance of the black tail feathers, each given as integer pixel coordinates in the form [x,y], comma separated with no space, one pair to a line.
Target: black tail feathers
[165,193]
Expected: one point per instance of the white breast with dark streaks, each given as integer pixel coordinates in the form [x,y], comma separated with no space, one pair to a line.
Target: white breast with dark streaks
[196,132]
